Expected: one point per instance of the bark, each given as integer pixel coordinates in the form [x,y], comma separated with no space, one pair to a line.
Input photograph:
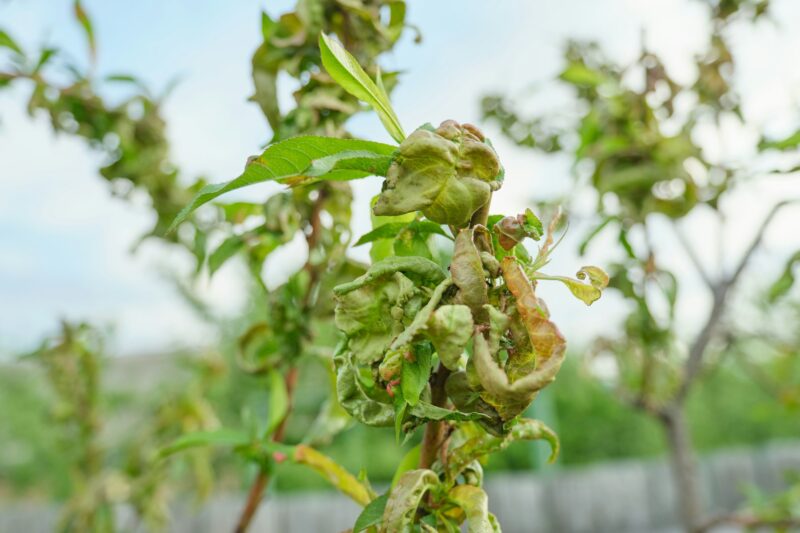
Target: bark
[684,469]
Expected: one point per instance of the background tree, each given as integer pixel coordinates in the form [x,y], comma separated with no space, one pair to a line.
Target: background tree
[634,144]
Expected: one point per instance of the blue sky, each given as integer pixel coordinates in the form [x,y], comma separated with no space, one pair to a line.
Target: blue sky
[65,243]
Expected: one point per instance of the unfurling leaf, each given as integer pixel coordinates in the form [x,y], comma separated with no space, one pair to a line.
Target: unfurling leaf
[346,71]
[448,174]
[302,160]
[587,293]
[404,498]
[513,230]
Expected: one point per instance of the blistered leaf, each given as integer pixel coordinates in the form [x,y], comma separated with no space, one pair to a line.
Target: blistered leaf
[293,160]
[467,271]
[404,499]
[448,174]
[421,319]
[513,230]
[372,514]
[475,503]
[424,268]
[478,445]
[346,71]
[450,329]
[354,399]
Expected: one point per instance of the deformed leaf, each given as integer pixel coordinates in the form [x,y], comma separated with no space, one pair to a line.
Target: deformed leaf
[404,498]
[475,503]
[415,374]
[450,329]
[346,71]
[587,293]
[448,174]
[293,160]
[467,271]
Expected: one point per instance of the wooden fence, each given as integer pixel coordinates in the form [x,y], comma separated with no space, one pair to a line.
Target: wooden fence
[624,496]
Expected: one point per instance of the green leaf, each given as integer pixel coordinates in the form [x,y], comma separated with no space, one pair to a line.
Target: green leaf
[224,251]
[409,462]
[346,71]
[390,230]
[278,401]
[218,437]
[785,282]
[404,499]
[7,42]
[788,143]
[293,161]
[372,514]
[336,474]
[415,373]
[86,24]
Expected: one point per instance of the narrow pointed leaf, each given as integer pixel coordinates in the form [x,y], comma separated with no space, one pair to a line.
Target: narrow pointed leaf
[218,437]
[7,42]
[346,71]
[372,513]
[336,474]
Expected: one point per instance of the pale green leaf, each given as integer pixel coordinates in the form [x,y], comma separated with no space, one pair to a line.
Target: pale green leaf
[278,401]
[346,71]
[218,437]
[336,474]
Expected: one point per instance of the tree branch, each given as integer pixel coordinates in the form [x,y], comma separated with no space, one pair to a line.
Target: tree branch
[693,257]
[721,292]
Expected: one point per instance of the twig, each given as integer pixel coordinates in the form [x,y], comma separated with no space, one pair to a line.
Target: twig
[260,483]
[701,270]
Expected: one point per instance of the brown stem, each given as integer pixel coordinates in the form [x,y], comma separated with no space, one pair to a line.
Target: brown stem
[435,435]
[260,483]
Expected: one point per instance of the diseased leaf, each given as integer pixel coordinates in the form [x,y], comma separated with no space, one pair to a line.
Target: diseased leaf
[372,514]
[587,293]
[293,160]
[450,329]
[404,498]
[346,71]
[475,503]
[447,173]
[467,271]
[390,230]
[336,474]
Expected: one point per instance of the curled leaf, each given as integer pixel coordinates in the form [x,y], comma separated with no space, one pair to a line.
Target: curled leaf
[475,503]
[587,293]
[450,329]
[404,499]
[468,275]
[448,174]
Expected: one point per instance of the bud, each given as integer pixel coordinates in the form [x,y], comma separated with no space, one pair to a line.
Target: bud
[448,174]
